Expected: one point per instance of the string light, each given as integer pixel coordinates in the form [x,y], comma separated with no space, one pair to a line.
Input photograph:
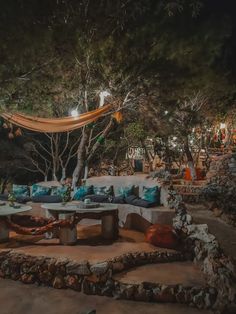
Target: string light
[74,112]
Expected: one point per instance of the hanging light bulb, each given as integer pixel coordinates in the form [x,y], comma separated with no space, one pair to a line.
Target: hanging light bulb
[222,126]
[102,96]
[74,112]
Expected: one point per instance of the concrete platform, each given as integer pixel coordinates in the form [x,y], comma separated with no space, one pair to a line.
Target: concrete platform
[185,273]
[90,245]
[17,298]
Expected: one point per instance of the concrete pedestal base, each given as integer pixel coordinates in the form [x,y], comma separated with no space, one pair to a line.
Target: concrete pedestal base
[4,232]
[109,227]
[67,236]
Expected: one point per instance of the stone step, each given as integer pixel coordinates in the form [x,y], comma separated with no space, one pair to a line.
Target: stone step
[185,273]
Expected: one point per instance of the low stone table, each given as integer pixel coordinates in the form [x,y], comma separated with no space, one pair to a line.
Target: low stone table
[108,213]
[6,211]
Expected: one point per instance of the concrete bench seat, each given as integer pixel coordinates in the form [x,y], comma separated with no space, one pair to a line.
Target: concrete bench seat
[136,217]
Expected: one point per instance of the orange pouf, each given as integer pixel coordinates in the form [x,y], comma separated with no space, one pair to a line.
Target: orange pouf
[162,236]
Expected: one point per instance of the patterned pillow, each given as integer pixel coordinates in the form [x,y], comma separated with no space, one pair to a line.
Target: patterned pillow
[103,190]
[82,191]
[20,190]
[59,190]
[38,190]
[151,194]
[126,191]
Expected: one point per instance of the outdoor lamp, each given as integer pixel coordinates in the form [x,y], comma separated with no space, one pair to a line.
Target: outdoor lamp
[222,126]
[74,112]
[102,96]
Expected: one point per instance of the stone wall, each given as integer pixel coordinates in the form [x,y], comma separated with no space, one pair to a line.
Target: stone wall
[221,187]
[217,267]
[97,279]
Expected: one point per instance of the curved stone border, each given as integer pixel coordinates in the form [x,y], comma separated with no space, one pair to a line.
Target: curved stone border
[98,278]
[218,268]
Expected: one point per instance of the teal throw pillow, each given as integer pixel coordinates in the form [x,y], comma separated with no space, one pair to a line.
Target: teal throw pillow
[38,190]
[20,190]
[126,191]
[59,190]
[151,194]
[82,191]
[103,190]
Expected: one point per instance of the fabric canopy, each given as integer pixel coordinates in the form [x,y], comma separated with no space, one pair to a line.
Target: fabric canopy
[55,125]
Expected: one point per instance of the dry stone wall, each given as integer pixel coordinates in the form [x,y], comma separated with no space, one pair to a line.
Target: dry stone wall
[218,268]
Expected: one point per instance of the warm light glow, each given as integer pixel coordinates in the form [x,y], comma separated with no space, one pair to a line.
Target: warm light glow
[222,125]
[102,96]
[166,112]
[74,112]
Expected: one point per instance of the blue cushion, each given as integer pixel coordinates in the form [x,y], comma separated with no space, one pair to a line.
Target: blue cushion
[103,190]
[38,190]
[151,194]
[82,191]
[137,201]
[59,190]
[126,191]
[20,190]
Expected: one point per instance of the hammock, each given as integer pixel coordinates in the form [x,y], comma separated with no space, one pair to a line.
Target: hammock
[55,125]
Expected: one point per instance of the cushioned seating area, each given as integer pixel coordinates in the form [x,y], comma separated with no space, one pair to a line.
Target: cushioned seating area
[134,212]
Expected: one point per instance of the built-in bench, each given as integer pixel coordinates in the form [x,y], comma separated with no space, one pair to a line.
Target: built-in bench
[136,217]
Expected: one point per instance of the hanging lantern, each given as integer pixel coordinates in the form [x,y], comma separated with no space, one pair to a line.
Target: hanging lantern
[18,132]
[10,135]
[118,116]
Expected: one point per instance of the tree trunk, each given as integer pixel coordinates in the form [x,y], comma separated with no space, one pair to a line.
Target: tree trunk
[63,174]
[86,172]
[189,159]
[80,160]
[97,144]
[45,178]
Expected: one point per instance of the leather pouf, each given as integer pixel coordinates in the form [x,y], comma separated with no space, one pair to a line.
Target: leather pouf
[162,236]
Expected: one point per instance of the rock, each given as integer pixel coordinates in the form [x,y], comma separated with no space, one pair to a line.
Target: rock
[217,212]
[58,282]
[45,277]
[81,268]
[99,268]
[200,232]
[117,267]
[73,282]
[27,278]
[142,294]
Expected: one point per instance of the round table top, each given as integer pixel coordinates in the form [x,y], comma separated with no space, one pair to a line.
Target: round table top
[76,207]
[6,209]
